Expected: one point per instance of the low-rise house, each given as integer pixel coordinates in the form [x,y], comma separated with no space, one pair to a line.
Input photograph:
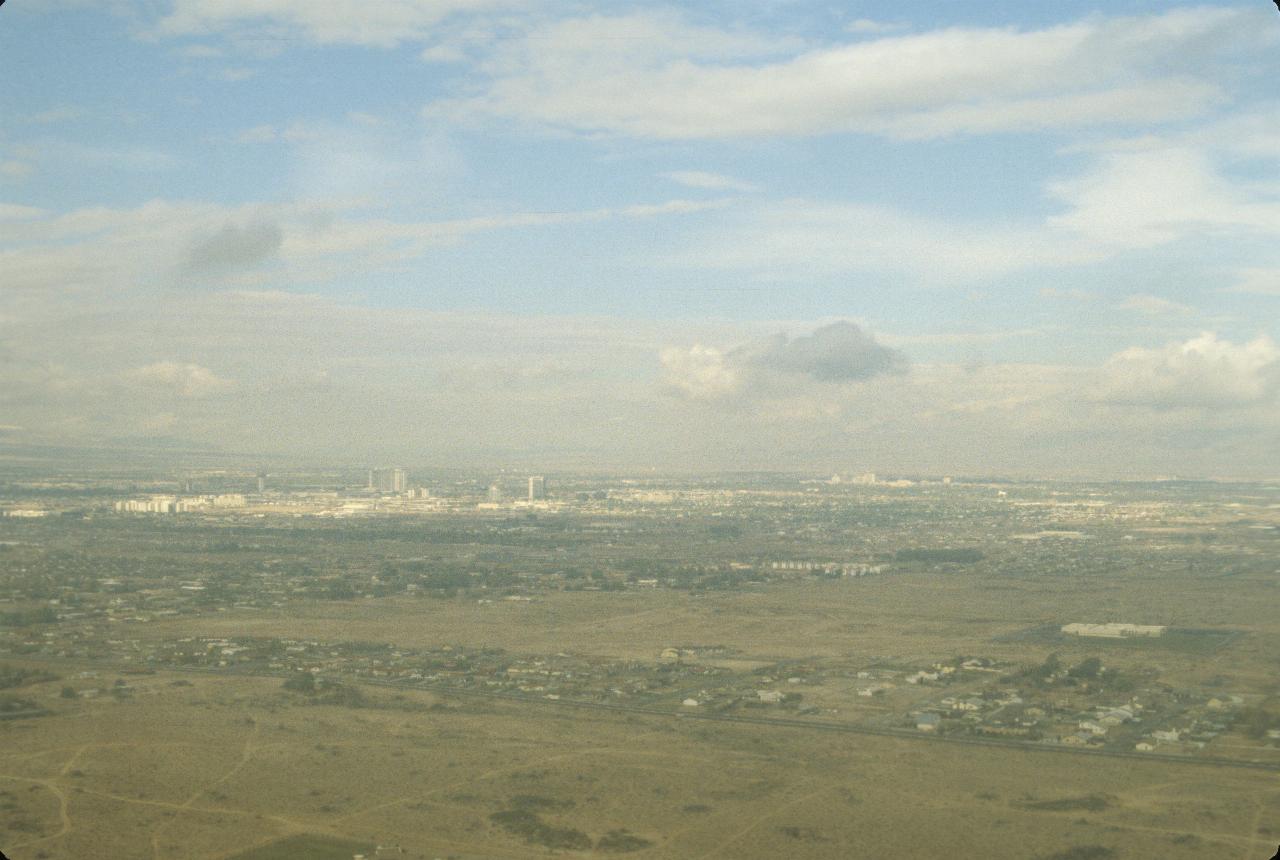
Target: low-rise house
[920,677]
[1080,739]
[1115,716]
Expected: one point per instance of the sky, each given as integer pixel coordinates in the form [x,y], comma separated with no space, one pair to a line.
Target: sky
[1008,238]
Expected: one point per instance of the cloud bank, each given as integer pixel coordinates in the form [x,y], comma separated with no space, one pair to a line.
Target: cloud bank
[840,353]
[657,76]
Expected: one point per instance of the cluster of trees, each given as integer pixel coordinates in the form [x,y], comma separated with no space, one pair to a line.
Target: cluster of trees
[1089,671]
[619,841]
[15,705]
[523,820]
[1255,722]
[325,692]
[18,676]
[1044,673]
[527,823]
[27,617]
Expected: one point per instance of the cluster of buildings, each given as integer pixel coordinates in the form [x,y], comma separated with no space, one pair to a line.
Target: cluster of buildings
[828,567]
[179,504]
[394,480]
[1114,630]
[871,479]
[979,699]
[496,496]
[1091,715]
[865,479]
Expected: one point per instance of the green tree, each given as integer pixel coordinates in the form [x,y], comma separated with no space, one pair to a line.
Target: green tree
[303,682]
[1090,667]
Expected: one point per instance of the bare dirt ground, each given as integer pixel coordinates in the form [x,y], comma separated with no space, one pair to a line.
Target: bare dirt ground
[228,765]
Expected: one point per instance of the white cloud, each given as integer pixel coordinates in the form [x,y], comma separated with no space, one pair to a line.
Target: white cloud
[366,119]
[1258,280]
[1155,306]
[867,25]
[258,134]
[1131,196]
[1203,372]
[235,75]
[1252,132]
[15,212]
[379,23]
[1073,294]
[183,379]
[133,158]
[657,76]
[649,39]
[1158,192]
[699,372]
[712,181]
[12,168]
[200,52]
[158,423]
[824,237]
[1148,102]
[55,115]
[167,242]
[105,249]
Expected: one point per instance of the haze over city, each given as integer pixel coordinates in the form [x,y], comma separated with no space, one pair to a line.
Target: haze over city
[1031,239]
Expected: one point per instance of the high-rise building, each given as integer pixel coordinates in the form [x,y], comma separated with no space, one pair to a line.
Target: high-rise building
[495,493]
[537,488]
[388,480]
[262,482]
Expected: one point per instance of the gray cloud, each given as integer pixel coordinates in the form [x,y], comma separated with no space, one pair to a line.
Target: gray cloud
[235,247]
[836,354]
[840,352]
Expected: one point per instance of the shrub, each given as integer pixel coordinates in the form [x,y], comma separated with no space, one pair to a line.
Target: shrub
[620,841]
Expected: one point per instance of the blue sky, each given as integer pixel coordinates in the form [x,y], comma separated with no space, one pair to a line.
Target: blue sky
[645,234]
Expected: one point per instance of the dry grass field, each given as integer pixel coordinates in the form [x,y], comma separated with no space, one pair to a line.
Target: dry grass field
[908,616]
[235,769]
